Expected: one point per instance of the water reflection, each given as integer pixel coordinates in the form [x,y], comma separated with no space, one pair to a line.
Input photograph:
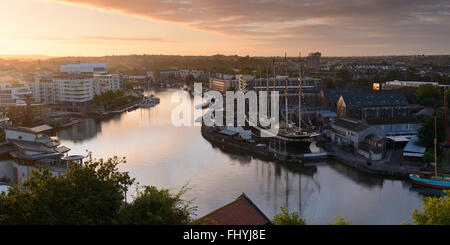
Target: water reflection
[85,130]
[361,178]
[162,155]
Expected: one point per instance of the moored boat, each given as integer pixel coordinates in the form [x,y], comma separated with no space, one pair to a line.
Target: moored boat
[427,179]
[430,179]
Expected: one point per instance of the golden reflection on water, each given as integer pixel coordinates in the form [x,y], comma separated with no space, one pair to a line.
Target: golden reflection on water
[168,157]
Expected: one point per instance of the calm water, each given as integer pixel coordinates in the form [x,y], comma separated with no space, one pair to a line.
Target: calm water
[162,155]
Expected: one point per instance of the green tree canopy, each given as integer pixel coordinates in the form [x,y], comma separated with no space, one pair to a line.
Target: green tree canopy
[429,95]
[328,83]
[392,75]
[286,218]
[427,132]
[342,77]
[341,221]
[157,207]
[436,211]
[91,195]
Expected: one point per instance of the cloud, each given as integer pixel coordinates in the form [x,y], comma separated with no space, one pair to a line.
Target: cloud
[93,38]
[360,22]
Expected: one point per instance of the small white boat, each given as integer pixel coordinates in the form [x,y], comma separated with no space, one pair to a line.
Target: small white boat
[149,101]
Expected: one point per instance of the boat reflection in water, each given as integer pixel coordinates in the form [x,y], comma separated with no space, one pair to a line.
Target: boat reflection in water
[427,192]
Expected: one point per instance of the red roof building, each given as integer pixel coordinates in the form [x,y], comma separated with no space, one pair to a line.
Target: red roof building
[241,211]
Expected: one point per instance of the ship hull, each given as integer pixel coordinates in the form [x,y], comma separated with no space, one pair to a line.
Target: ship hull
[430,183]
[278,141]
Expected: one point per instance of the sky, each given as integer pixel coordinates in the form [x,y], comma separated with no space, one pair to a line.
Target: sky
[208,27]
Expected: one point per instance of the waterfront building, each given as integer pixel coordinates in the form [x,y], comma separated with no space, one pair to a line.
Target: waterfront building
[76,87]
[359,136]
[106,81]
[241,211]
[373,106]
[166,73]
[186,72]
[25,149]
[14,93]
[413,149]
[330,97]
[222,85]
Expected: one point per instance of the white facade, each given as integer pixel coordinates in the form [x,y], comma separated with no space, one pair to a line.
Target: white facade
[106,82]
[185,73]
[72,88]
[12,94]
[78,89]
[19,135]
[84,67]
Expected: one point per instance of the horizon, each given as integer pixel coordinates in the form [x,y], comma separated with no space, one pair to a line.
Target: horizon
[44,57]
[81,28]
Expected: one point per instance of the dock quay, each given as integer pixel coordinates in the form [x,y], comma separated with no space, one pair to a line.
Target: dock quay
[387,167]
[261,151]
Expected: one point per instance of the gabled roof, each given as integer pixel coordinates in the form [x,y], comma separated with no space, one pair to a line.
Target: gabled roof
[241,211]
[21,129]
[31,146]
[335,93]
[376,99]
[351,124]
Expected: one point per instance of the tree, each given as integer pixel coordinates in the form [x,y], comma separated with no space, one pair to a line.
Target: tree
[342,77]
[157,207]
[341,221]
[426,132]
[129,85]
[392,75]
[436,211]
[89,195]
[328,83]
[286,218]
[429,95]
[428,157]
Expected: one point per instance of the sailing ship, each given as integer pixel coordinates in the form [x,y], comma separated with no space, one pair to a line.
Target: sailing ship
[149,101]
[427,179]
[289,134]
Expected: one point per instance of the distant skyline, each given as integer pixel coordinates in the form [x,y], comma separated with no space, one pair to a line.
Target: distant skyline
[206,27]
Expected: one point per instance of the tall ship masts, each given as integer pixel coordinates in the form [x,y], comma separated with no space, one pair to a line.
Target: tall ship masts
[300,80]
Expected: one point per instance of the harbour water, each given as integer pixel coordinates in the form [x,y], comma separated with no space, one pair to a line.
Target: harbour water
[166,156]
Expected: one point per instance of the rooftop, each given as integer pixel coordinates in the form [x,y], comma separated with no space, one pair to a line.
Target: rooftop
[375,99]
[35,130]
[351,124]
[335,93]
[241,211]
[413,146]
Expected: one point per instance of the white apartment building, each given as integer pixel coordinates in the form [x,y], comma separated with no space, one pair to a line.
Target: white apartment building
[14,93]
[84,67]
[185,73]
[105,82]
[76,87]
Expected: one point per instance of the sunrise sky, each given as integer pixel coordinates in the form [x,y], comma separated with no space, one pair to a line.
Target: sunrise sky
[208,27]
